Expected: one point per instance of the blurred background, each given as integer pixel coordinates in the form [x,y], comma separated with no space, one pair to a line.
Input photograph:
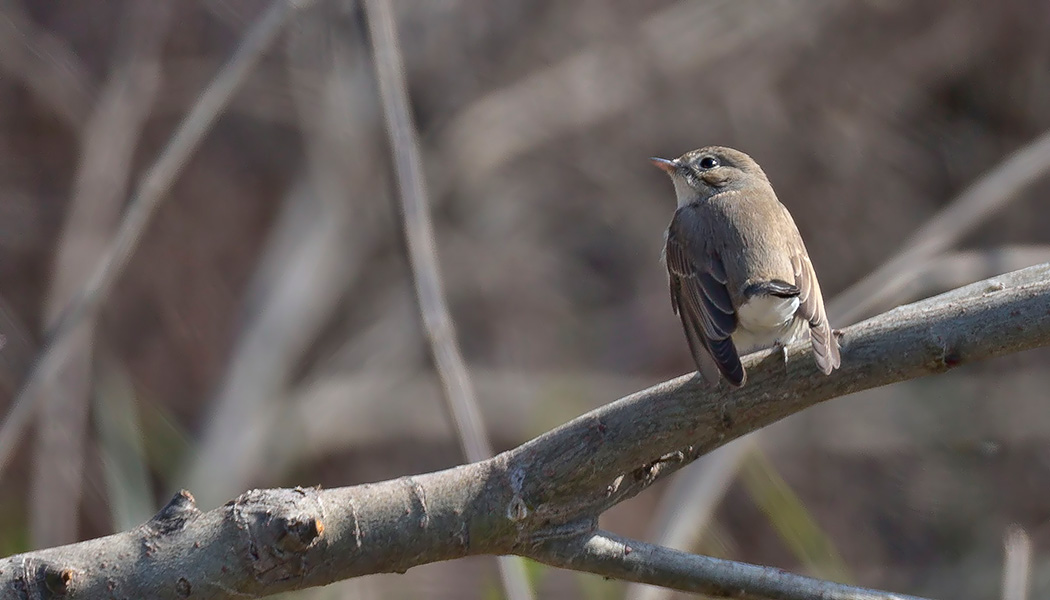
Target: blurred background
[265,331]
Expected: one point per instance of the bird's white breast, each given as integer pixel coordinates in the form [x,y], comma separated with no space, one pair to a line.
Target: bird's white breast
[683,191]
[766,320]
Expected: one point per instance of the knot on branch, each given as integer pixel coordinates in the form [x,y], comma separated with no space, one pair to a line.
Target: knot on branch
[647,474]
[183,588]
[282,526]
[58,581]
[418,496]
[946,353]
[45,579]
[517,511]
[176,513]
[298,534]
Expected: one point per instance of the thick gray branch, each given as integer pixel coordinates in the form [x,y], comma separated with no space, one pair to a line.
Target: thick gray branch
[542,498]
[656,431]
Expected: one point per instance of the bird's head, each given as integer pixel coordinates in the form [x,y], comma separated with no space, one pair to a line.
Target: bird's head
[707,171]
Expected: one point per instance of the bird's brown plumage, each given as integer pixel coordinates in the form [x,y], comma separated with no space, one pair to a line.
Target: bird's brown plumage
[731,241]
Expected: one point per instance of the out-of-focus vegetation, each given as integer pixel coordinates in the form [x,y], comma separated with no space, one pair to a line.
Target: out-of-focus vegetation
[272,289]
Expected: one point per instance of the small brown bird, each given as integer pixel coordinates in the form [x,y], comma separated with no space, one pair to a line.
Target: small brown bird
[739,274]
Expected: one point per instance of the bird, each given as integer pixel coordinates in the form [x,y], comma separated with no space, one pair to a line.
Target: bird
[739,274]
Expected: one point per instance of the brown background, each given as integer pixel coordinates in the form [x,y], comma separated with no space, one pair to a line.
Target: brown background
[535,121]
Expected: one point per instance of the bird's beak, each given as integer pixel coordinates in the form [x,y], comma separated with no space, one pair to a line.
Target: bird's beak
[667,166]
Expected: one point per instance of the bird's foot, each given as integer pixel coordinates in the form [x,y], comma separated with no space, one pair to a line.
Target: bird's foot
[782,349]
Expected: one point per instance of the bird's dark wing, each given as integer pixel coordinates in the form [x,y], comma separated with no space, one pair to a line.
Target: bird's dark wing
[811,308]
[699,295]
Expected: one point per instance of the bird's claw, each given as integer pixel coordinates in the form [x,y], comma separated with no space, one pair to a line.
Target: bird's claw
[782,349]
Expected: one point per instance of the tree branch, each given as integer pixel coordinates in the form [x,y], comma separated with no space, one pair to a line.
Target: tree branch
[615,556]
[542,498]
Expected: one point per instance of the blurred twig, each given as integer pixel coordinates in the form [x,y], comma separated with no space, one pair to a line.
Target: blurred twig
[954,269]
[46,64]
[991,192]
[148,195]
[419,233]
[108,145]
[610,78]
[1017,564]
[295,289]
[17,348]
[792,520]
[317,249]
[56,76]
[684,512]
[128,489]
[389,403]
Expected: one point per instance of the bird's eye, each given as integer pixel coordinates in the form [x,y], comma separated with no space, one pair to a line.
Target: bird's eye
[709,162]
